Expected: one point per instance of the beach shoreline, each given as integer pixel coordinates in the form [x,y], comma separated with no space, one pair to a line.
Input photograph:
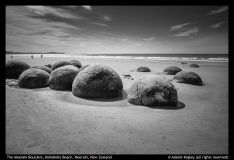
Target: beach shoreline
[45,121]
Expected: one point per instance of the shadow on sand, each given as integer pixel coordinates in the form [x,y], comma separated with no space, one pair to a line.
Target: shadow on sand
[180,105]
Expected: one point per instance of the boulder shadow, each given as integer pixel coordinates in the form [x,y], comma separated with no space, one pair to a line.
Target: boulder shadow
[180,105]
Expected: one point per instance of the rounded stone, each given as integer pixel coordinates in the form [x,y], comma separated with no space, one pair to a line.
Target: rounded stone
[183,63]
[172,70]
[14,68]
[47,69]
[151,90]
[143,69]
[188,77]
[48,65]
[194,65]
[60,64]
[97,81]
[76,63]
[33,78]
[62,77]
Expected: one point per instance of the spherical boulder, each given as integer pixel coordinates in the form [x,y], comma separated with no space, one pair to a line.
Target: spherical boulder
[97,81]
[193,65]
[33,78]
[76,63]
[60,64]
[151,90]
[48,65]
[172,70]
[188,77]
[47,69]
[143,69]
[14,68]
[62,77]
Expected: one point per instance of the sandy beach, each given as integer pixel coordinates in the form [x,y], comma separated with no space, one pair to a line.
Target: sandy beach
[46,121]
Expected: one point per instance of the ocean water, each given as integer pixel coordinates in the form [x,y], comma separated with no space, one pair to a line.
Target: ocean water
[169,57]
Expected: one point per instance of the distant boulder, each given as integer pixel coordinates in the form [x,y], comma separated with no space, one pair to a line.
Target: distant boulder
[47,69]
[183,63]
[151,90]
[97,81]
[33,78]
[14,68]
[76,63]
[172,70]
[193,65]
[60,64]
[188,77]
[48,65]
[143,69]
[62,77]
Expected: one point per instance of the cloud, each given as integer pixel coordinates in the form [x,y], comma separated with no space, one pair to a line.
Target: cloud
[177,27]
[87,7]
[106,18]
[150,39]
[194,30]
[42,10]
[218,10]
[100,24]
[217,25]
[135,45]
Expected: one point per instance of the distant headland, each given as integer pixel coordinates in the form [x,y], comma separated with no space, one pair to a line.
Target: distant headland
[10,52]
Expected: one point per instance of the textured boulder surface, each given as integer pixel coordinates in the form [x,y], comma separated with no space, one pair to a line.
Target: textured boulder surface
[143,69]
[62,77]
[97,81]
[194,65]
[47,69]
[172,70]
[151,90]
[33,78]
[76,63]
[14,68]
[60,64]
[188,77]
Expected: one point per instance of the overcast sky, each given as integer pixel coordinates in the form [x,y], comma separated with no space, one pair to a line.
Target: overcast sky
[117,29]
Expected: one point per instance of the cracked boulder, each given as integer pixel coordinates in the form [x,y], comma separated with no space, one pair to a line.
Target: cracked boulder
[151,90]
[33,78]
[193,65]
[188,77]
[143,69]
[172,70]
[76,63]
[97,81]
[14,68]
[47,69]
[60,64]
[62,77]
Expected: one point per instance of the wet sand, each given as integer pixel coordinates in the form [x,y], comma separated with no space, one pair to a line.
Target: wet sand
[45,121]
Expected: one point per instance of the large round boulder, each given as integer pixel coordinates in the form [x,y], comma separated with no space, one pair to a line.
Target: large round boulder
[172,70]
[14,68]
[97,81]
[62,77]
[193,65]
[143,69]
[33,78]
[76,63]
[151,90]
[60,64]
[188,77]
[47,69]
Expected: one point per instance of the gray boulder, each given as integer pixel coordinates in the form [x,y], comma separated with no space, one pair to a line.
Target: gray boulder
[97,81]
[60,64]
[48,65]
[14,68]
[47,69]
[193,65]
[151,90]
[172,70]
[33,78]
[143,69]
[188,77]
[76,63]
[62,77]
[183,63]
